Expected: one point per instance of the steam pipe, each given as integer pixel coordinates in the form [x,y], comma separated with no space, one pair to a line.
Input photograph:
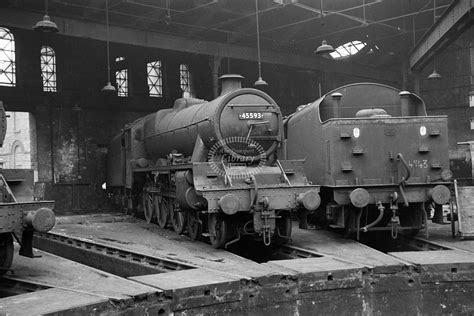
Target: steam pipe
[377,220]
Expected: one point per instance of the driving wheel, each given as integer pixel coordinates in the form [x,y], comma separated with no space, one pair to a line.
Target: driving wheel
[177,218]
[162,211]
[147,204]
[194,225]
[217,231]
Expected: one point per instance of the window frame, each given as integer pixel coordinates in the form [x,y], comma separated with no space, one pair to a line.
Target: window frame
[185,78]
[155,81]
[49,76]
[7,58]
[348,49]
[121,80]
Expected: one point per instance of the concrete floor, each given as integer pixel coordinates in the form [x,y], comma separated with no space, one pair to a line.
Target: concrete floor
[356,279]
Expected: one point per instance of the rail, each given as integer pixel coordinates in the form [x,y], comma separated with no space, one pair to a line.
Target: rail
[57,244]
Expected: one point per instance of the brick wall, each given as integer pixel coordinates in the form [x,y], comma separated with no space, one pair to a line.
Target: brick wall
[449,96]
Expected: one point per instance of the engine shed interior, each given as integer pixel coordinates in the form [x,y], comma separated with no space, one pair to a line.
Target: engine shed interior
[159,49]
[78,75]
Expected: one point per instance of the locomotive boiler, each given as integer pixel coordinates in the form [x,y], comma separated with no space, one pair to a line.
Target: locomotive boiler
[19,218]
[380,160]
[212,168]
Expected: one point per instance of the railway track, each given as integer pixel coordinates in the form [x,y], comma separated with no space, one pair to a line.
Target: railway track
[108,258]
[11,287]
[421,244]
[294,252]
[126,263]
[402,244]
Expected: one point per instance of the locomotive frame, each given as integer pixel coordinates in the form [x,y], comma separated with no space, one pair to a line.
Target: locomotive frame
[211,168]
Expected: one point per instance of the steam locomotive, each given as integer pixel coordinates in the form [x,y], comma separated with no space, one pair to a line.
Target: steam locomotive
[19,218]
[382,163]
[212,167]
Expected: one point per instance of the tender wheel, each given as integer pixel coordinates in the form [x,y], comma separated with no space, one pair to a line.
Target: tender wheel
[284,227]
[218,231]
[161,210]
[194,225]
[147,204]
[177,218]
[6,252]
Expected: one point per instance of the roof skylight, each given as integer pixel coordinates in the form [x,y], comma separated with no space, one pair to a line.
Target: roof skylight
[348,49]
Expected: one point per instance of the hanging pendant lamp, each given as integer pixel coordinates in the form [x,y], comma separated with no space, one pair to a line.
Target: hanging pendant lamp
[260,81]
[46,25]
[108,87]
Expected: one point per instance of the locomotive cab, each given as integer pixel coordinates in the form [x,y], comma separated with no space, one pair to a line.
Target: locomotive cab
[380,159]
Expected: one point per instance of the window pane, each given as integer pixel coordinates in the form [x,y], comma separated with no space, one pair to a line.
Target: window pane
[48,68]
[348,49]
[185,78]
[7,58]
[121,77]
[155,79]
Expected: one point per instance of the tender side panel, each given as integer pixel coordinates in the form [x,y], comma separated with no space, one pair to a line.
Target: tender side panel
[364,152]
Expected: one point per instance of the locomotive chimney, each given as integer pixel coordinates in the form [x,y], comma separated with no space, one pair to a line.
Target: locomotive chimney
[230,83]
[404,102]
[336,102]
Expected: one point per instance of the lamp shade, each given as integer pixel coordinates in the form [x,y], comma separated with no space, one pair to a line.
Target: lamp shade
[260,82]
[108,88]
[325,48]
[434,75]
[46,25]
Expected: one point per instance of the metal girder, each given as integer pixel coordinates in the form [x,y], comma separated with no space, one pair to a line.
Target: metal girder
[458,17]
[83,29]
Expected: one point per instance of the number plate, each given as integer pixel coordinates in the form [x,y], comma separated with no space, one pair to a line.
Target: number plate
[251,116]
[421,164]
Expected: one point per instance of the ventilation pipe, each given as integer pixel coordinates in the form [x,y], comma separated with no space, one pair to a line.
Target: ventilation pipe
[405,102]
[336,104]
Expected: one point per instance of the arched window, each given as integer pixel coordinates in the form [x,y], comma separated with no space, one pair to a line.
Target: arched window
[48,68]
[121,77]
[7,58]
[155,79]
[185,78]
[17,152]
[348,49]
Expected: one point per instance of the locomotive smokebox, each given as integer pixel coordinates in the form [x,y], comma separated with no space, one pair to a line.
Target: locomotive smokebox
[230,83]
